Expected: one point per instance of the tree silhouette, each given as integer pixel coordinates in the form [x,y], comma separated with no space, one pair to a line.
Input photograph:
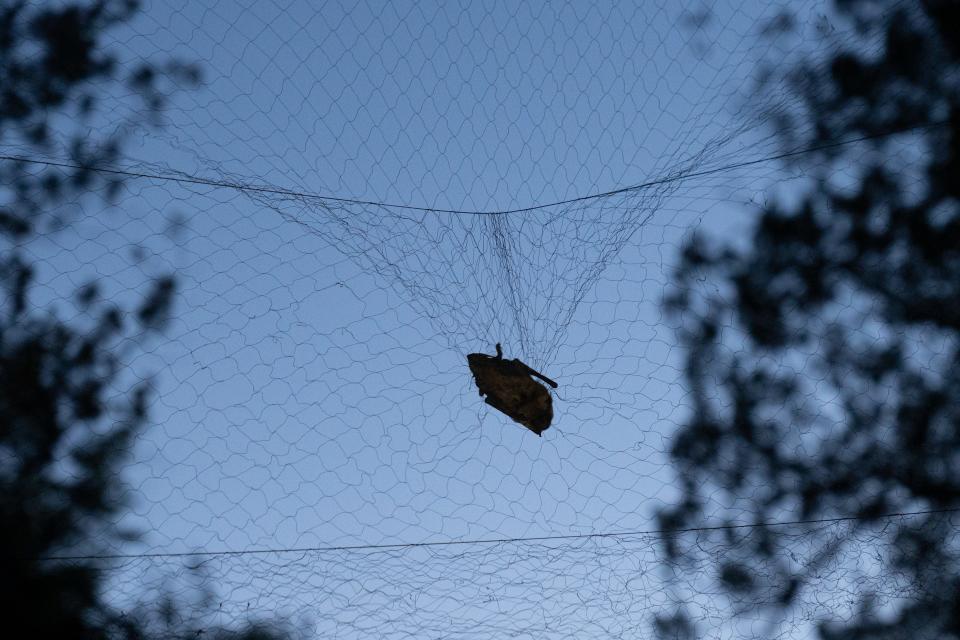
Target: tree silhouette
[63,432]
[823,360]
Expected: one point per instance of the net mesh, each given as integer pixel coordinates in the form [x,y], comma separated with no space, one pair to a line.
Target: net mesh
[357,198]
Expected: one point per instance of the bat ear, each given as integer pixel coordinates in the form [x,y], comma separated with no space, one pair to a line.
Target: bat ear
[499,351]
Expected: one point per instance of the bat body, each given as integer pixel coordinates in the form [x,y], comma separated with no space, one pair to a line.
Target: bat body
[509,387]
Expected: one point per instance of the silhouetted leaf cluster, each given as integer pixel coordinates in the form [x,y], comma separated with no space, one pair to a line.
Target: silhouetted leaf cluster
[824,361]
[59,471]
[65,426]
[53,65]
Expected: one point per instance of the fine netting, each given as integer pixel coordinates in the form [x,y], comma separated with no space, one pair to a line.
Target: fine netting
[567,587]
[355,201]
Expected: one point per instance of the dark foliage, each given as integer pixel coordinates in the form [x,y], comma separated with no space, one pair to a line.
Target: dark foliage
[824,361]
[65,425]
[58,477]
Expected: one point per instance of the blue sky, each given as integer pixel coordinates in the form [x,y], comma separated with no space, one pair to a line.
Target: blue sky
[313,389]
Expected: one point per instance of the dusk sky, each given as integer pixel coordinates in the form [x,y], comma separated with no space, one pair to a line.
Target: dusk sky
[312,390]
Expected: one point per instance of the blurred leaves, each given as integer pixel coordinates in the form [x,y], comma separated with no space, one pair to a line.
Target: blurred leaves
[823,359]
[674,627]
[53,69]
[68,420]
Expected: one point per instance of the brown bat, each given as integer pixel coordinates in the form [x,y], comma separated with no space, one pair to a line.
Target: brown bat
[509,388]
